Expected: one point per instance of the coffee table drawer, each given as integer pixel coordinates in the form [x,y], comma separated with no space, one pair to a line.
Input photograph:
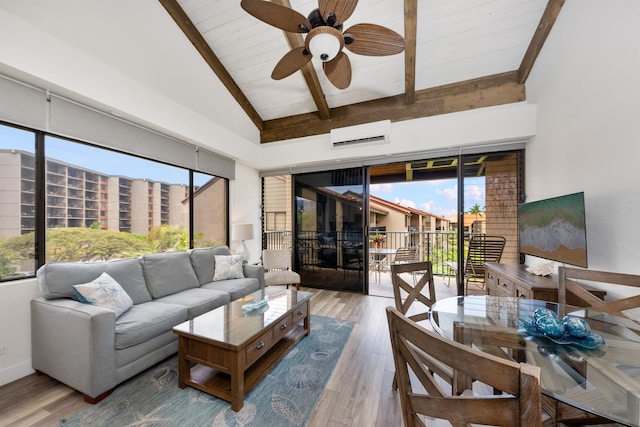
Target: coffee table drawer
[259,346]
[282,328]
[300,313]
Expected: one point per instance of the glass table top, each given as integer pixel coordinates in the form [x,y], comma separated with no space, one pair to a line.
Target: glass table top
[232,325]
[601,379]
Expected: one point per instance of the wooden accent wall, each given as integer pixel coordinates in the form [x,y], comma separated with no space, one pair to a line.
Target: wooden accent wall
[502,204]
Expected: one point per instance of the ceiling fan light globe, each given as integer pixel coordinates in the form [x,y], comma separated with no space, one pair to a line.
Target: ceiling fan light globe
[324,46]
[324,43]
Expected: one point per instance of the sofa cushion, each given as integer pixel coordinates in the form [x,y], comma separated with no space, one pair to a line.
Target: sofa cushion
[228,267]
[237,288]
[203,262]
[168,273]
[104,292]
[145,321]
[198,300]
[56,279]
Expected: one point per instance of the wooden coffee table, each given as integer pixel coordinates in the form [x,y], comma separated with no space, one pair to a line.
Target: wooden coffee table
[226,352]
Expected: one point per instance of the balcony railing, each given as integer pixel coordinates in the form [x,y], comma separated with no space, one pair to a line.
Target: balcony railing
[437,247]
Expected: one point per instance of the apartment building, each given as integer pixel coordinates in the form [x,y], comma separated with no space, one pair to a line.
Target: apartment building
[79,197]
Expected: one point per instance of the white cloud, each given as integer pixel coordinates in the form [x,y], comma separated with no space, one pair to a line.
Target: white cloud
[450,193]
[382,188]
[473,194]
[405,202]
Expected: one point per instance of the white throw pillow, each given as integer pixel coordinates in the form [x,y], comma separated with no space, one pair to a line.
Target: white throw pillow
[104,292]
[228,267]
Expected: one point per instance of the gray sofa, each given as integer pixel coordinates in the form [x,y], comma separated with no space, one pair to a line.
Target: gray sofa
[86,347]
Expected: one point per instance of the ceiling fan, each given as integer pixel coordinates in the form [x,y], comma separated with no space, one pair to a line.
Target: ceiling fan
[325,38]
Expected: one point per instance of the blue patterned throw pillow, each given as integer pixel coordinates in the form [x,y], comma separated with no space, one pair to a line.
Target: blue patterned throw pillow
[228,267]
[105,292]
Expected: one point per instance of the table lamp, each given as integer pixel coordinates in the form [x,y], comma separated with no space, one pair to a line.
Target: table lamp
[242,232]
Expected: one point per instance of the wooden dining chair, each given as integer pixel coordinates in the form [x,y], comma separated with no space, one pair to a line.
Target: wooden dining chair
[418,295]
[422,356]
[621,296]
[625,296]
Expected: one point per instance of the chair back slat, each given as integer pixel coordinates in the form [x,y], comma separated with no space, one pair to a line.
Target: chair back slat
[573,280]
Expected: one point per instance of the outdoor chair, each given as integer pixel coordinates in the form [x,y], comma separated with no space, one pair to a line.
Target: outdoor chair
[481,249]
[405,254]
[423,358]
[277,268]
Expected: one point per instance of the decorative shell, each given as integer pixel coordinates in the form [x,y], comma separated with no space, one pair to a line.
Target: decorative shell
[542,269]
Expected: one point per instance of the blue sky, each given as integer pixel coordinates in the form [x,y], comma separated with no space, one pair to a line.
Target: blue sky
[436,197]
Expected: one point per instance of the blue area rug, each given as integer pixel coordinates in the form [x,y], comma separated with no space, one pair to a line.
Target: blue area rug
[285,397]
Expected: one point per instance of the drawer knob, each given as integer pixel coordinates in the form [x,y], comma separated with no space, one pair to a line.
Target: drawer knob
[283,326]
[300,312]
[261,345]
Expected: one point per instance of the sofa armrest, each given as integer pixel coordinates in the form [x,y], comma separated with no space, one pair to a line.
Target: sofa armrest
[255,272]
[74,343]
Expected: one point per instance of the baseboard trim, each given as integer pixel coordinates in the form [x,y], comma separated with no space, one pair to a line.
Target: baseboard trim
[15,372]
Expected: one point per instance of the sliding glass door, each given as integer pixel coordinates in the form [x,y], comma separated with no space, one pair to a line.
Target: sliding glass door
[329,229]
[344,227]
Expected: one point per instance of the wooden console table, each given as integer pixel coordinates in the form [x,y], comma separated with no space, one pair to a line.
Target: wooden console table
[513,280]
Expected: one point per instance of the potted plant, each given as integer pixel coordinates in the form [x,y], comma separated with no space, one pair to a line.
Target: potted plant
[377,240]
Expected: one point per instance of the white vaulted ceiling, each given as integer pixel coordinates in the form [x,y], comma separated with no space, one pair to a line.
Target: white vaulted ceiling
[467,54]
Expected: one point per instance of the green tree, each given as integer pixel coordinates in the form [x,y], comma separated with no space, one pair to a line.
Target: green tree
[168,238]
[87,244]
[6,261]
[475,210]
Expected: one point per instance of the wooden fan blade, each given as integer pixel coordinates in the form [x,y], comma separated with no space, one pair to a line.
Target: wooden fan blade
[338,71]
[290,63]
[341,8]
[279,16]
[374,40]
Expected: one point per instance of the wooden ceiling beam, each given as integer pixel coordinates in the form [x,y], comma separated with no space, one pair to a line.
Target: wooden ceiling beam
[201,45]
[410,35]
[308,72]
[487,91]
[549,17]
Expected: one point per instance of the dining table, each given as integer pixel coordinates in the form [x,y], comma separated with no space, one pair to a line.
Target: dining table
[594,368]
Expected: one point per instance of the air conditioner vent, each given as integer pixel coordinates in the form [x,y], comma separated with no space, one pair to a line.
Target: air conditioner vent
[369,133]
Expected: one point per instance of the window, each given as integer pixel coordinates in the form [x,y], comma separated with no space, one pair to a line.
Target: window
[98,204]
[276,221]
[17,202]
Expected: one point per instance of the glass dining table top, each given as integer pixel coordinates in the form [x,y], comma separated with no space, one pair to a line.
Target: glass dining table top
[599,373]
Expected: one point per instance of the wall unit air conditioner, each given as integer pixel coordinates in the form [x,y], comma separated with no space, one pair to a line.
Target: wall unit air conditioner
[368,133]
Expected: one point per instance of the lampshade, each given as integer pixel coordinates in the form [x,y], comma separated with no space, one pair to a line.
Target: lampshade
[324,43]
[242,232]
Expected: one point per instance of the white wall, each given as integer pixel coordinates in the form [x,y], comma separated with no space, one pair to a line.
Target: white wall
[245,194]
[586,85]
[15,328]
